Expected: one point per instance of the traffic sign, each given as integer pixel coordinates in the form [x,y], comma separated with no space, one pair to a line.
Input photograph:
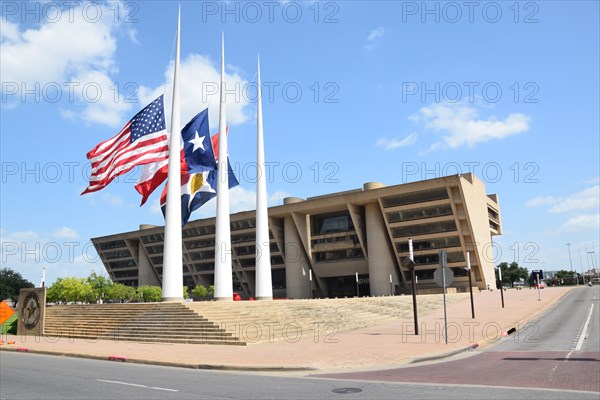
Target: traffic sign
[6,312]
[537,273]
[437,277]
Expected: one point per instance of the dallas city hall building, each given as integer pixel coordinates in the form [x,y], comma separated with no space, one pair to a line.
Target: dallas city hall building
[333,237]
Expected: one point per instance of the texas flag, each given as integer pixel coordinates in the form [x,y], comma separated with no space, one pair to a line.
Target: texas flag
[198,169]
[196,154]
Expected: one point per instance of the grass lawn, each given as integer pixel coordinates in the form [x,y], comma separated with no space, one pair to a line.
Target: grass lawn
[11,324]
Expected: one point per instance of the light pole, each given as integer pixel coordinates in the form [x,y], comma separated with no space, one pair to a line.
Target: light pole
[571,263]
[593,256]
[470,284]
[581,264]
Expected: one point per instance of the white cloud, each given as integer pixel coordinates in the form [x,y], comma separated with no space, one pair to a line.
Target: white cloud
[394,143]
[66,233]
[60,251]
[541,200]
[276,199]
[461,125]
[582,222]
[96,198]
[199,89]
[586,199]
[70,54]
[373,38]
[112,199]
[594,180]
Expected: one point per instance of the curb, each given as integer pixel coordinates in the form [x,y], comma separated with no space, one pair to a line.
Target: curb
[451,353]
[213,367]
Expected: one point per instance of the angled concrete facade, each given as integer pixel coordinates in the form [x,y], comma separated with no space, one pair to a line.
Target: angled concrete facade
[334,239]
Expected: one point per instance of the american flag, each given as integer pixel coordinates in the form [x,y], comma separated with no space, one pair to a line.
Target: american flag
[143,140]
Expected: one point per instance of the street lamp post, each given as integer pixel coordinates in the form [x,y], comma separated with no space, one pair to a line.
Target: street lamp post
[470,285]
[571,263]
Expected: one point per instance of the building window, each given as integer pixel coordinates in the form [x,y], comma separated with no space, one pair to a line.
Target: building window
[159,237]
[115,244]
[415,197]
[276,260]
[117,254]
[424,229]
[331,223]
[204,267]
[421,245]
[122,264]
[419,213]
[243,224]
[199,231]
[434,258]
[278,278]
[339,255]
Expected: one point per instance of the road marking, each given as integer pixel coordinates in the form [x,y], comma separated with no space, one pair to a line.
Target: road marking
[585,328]
[137,385]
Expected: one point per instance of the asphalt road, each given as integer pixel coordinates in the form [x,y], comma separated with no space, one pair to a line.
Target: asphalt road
[560,350]
[555,357]
[35,376]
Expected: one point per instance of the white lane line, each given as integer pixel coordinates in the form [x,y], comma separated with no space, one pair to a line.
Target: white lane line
[585,328]
[137,385]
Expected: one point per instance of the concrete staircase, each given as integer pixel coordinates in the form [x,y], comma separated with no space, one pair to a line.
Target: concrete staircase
[269,321]
[232,323]
[140,322]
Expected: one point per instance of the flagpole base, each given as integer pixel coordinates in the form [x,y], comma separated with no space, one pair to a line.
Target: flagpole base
[172,299]
[264,298]
[224,298]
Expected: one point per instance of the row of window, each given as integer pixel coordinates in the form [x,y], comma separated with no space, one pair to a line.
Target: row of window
[424,229]
[113,255]
[429,244]
[353,238]
[419,213]
[421,196]
[115,244]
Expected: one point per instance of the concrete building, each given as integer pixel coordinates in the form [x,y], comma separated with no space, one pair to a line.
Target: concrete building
[332,238]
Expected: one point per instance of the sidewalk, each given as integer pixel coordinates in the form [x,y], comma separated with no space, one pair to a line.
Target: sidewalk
[380,347]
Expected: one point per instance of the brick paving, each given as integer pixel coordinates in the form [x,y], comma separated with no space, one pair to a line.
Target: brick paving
[547,370]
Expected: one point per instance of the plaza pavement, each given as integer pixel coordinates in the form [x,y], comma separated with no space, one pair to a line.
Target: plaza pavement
[384,346]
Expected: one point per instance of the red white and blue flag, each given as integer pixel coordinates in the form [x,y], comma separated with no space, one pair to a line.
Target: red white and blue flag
[198,169]
[142,141]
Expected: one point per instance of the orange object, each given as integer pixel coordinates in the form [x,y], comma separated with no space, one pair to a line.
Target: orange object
[6,311]
[12,342]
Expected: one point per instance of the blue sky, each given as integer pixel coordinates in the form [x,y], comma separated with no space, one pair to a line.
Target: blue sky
[353,92]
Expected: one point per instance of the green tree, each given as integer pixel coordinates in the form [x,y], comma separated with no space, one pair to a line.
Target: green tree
[54,294]
[512,273]
[563,277]
[186,292]
[11,282]
[211,291]
[200,292]
[149,293]
[76,290]
[99,284]
[120,292]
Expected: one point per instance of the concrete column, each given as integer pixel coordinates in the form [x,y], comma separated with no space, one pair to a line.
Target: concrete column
[381,258]
[146,273]
[297,264]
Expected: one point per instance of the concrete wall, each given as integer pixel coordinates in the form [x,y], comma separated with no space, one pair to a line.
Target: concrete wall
[381,259]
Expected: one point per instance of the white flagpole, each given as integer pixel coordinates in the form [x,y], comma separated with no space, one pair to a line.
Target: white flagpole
[223,278]
[172,284]
[264,287]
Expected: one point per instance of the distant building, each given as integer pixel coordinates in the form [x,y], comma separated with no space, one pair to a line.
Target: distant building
[362,231]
